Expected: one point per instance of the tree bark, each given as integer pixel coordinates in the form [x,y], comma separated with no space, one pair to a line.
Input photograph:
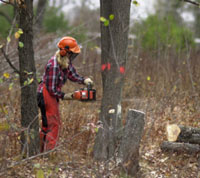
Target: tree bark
[189,135]
[180,147]
[114,42]
[29,109]
[129,147]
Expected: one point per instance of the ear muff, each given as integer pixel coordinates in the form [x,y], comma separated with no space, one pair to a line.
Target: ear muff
[63,52]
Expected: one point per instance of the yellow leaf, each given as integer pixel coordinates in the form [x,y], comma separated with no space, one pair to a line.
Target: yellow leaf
[17,35]
[6,75]
[4,126]
[30,81]
[148,78]
[103,19]
[1,46]
[40,173]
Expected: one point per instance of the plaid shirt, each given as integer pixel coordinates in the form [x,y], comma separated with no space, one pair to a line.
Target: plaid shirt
[54,78]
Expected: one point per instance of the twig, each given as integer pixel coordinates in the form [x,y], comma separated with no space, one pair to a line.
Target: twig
[6,2]
[26,159]
[192,2]
[9,62]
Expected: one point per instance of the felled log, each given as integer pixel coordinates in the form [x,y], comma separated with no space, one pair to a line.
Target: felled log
[180,147]
[129,147]
[189,135]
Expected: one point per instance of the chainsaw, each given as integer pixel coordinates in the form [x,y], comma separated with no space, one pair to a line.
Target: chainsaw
[85,94]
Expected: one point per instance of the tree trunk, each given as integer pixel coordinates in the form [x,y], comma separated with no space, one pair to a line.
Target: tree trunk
[29,110]
[129,147]
[189,135]
[114,42]
[180,147]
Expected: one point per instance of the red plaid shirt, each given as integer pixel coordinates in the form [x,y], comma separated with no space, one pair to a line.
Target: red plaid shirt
[54,78]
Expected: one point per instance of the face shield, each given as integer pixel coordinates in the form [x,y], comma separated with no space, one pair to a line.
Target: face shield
[72,56]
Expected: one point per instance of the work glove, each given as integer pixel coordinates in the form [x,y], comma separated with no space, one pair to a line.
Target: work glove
[88,82]
[68,96]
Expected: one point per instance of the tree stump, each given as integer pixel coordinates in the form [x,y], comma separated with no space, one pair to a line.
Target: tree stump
[129,147]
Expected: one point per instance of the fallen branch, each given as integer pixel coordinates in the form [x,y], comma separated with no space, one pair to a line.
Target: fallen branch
[27,159]
[189,135]
[192,2]
[180,147]
[9,62]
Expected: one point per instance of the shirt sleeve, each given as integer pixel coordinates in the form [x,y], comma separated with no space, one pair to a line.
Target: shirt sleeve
[73,76]
[52,71]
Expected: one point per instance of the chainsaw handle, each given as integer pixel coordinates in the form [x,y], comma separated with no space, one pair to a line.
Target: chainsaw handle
[89,86]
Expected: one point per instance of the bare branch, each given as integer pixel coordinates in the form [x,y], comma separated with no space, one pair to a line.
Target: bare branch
[6,2]
[192,2]
[9,62]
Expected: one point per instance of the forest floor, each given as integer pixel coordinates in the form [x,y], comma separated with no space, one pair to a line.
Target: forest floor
[73,156]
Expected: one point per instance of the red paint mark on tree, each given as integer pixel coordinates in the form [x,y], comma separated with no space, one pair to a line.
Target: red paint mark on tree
[103,67]
[122,70]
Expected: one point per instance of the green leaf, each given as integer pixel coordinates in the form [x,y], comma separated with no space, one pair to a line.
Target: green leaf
[40,173]
[103,19]
[1,80]
[111,16]
[8,39]
[57,169]
[20,31]
[136,3]
[11,86]
[28,73]
[96,129]
[25,83]
[106,23]
[38,79]
[21,45]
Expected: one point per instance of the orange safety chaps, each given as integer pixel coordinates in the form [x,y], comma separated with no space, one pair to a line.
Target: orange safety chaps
[51,124]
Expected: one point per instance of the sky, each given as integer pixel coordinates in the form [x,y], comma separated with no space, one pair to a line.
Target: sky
[141,11]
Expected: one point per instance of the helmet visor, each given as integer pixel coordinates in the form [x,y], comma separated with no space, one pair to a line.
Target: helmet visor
[73,56]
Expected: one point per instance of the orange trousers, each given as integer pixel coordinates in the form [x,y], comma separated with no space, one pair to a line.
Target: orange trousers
[51,123]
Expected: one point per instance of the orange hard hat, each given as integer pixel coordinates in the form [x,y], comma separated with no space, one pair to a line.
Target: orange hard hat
[68,44]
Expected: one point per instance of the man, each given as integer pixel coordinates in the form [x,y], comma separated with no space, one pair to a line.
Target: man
[58,69]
